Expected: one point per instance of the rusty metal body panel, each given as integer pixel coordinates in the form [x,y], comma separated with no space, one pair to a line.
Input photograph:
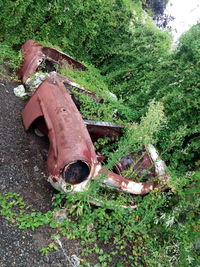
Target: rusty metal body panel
[69,139]
[72,160]
[34,54]
[101,129]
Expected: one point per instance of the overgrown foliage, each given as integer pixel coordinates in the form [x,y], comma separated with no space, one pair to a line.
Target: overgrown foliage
[180,95]
[109,108]
[86,29]
[157,92]
[162,231]
[9,60]
[173,79]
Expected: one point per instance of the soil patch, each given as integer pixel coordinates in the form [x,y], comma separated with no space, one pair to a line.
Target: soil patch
[22,170]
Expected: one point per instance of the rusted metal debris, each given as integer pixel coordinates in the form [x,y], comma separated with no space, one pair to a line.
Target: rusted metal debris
[72,160]
[35,54]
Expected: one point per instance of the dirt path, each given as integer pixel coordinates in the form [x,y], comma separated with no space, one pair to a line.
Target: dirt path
[22,170]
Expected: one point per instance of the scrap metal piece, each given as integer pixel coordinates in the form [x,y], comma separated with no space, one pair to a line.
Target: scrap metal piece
[139,163]
[101,129]
[126,185]
[72,158]
[160,166]
[34,54]
[109,204]
[145,163]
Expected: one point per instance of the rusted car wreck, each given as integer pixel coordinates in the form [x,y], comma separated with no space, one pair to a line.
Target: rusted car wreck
[72,161]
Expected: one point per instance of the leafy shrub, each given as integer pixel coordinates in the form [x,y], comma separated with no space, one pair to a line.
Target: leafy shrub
[171,78]
[133,69]
[85,29]
[9,60]
[180,95]
[139,67]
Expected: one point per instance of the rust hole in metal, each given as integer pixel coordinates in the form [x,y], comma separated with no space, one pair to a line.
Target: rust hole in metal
[76,172]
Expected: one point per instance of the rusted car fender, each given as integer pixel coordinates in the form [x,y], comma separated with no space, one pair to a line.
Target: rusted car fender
[71,158]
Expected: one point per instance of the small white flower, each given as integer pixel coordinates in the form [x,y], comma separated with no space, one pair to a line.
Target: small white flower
[170,221]
[190,259]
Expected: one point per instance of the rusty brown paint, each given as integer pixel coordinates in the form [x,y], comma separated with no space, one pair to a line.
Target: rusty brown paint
[34,54]
[126,185]
[69,139]
[60,58]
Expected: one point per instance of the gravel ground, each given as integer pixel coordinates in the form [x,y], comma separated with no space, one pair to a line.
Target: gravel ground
[22,170]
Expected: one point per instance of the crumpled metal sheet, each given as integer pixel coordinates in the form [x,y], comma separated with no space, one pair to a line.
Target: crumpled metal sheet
[72,160]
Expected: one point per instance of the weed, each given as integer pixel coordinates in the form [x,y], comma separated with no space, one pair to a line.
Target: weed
[51,247]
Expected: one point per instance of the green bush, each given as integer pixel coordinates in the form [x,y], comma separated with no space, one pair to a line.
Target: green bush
[150,71]
[10,60]
[180,94]
[88,30]
[135,61]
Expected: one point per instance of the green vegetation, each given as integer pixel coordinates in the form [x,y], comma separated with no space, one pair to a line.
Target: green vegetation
[9,60]
[157,91]
[165,236]
[175,82]
[93,81]
[89,26]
